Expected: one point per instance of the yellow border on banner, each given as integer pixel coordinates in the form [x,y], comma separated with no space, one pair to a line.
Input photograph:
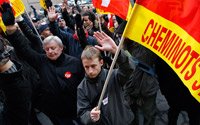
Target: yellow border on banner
[101,11]
[129,12]
[183,58]
[3,27]
[18,6]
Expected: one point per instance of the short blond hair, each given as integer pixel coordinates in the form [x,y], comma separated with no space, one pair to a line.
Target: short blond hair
[90,52]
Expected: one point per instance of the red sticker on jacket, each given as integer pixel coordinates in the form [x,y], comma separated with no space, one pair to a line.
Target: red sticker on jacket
[68,75]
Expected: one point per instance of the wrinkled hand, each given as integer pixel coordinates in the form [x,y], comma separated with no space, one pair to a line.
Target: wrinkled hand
[52,13]
[95,114]
[107,43]
[7,14]
[48,3]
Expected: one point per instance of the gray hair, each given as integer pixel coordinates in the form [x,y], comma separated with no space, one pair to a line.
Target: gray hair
[50,38]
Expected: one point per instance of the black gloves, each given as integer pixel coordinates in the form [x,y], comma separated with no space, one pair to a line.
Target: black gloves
[32,7]
[80,31]
[48,3]
[7,14]
[79,22]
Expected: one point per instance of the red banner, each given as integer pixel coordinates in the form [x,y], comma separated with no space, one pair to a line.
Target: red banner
[170,28]
[185,13]
[121,8]
[110,24]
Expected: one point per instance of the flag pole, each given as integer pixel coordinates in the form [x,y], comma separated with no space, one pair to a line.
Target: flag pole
[110,71]
[33,25]
[100,28]
[99,22]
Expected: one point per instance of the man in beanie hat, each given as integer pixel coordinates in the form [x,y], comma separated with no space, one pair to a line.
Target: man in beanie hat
[35,22]
[44,30]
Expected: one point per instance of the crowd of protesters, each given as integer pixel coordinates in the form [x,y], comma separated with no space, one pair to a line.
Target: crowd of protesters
[57,64]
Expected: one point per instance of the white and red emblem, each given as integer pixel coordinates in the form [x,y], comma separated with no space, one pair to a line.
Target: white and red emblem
[68,75]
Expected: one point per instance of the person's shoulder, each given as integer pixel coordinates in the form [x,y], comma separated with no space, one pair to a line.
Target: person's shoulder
[91,37]
[83,84]
[92,40]
[67,33]
[72,58]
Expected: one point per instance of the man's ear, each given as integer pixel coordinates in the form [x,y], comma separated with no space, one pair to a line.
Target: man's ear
[61,47]
[101,61]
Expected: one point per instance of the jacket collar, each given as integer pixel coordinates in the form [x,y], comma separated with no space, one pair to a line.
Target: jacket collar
[96,79]
[59,60]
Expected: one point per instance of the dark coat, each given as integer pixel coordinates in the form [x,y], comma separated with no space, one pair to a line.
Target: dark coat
[177,94]
[173,88]
[35,41]
[58,93]
[67,29]
[17,91]
[143,84]
[116,111]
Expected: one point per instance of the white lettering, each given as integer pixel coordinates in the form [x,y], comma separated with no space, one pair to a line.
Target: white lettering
[105,3]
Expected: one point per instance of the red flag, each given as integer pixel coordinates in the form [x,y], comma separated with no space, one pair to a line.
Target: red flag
[110,24]
[121,8]
[184,13]
[170,28]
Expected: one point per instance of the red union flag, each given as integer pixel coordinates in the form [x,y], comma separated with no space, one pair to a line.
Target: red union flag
[17,6]
[110,24]
[171,29]
[121,8]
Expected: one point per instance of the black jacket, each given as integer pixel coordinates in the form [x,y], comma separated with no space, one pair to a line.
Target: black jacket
[174,90]
[143,84]
[58,93]
[70,21]
[116,111]
[17,91]
[35,41]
